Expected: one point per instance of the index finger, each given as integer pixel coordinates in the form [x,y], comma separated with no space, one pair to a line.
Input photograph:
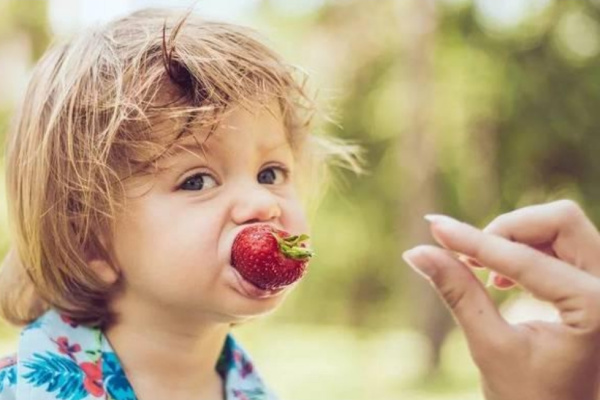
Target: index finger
[546,277]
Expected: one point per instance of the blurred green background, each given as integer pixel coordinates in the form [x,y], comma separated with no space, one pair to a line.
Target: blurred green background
[469,108]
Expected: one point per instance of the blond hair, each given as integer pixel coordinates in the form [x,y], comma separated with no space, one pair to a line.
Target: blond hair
[86,125]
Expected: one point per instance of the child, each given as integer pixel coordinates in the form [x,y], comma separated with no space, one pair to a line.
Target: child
[141,150]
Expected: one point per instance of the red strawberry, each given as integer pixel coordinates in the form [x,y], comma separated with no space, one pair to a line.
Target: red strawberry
[269,258]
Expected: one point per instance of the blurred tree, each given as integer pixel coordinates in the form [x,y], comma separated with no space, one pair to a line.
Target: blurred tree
[31,18]
[418,161]
[381,53]
[482,119]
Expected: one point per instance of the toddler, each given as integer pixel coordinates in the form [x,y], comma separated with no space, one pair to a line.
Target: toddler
[141,150]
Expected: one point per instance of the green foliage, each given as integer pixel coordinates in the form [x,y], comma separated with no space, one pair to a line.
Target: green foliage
[328,362]
[514,122]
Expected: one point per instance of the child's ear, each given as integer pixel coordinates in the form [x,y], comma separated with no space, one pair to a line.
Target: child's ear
[103,270]
[100,262]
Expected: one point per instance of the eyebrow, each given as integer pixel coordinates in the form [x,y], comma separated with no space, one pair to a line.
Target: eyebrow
[168,161]
[191,148]
[194,147]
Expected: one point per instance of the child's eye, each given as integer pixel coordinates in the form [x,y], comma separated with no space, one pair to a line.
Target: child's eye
[199,181]
[272,176]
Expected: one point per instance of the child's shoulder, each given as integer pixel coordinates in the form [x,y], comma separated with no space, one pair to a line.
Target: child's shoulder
[8,377]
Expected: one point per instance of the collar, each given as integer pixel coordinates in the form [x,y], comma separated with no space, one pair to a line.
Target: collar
[58,359]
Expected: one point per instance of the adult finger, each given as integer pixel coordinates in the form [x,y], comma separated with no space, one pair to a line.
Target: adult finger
[546,277]
[462,292]
[500,281]
[559,228]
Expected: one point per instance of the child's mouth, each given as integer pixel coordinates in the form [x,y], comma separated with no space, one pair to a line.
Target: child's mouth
[249,289]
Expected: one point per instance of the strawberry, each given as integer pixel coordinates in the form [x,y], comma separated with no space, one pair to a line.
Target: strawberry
[269,258]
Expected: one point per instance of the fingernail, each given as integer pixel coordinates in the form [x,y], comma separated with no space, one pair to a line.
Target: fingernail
[420,264]
[499,281]
[440,219]
[503,283]
[440,225]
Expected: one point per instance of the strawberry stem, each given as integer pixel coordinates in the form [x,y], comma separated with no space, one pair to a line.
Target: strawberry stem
[291,246]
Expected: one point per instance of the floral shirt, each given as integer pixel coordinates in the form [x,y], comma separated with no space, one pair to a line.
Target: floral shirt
[60,360]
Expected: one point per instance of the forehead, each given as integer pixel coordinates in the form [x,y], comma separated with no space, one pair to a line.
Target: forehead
[238,130]
[263,125]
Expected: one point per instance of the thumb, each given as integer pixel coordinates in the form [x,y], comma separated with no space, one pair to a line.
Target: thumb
[464,295]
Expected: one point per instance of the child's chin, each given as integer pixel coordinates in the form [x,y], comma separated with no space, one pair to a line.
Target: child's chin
[247,311]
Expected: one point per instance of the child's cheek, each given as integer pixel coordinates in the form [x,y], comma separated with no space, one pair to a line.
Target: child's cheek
[294,218]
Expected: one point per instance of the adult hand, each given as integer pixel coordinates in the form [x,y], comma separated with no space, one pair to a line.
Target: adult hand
[551,250]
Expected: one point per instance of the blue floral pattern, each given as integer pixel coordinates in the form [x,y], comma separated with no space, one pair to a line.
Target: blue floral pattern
[58,359]
[8,372]
[57,374]
[116,382]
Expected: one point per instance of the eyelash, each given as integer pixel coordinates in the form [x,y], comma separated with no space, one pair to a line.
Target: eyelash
[196,174]
[282,168]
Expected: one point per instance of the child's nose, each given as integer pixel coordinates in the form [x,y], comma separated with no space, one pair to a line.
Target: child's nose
[257,205]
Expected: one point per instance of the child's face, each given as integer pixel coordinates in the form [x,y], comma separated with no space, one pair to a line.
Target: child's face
[173,245]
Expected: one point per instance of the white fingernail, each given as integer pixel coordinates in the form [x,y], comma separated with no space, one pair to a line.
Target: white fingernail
[440,218]
[419,264]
